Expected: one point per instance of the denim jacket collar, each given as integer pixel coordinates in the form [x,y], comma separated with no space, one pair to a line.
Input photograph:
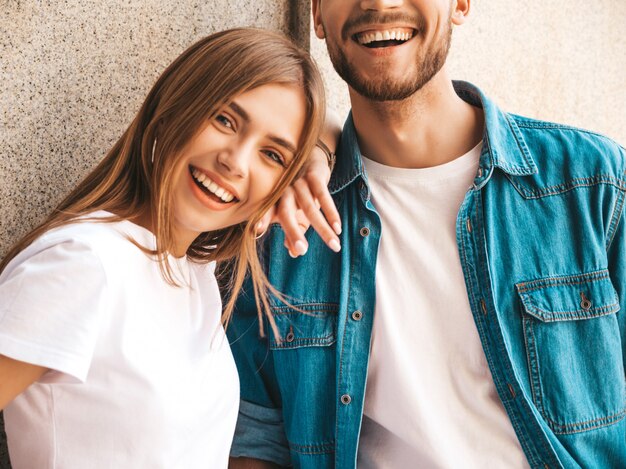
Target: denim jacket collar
[503,144]
[349,162]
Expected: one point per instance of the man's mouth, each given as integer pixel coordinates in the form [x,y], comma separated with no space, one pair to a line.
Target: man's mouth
[211,188]
[384,38]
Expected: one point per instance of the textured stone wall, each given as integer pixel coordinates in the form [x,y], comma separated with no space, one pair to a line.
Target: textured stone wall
[73,73]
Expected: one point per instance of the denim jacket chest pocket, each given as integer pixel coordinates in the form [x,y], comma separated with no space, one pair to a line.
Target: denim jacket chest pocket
[301,356]
[576,388]
[314,325]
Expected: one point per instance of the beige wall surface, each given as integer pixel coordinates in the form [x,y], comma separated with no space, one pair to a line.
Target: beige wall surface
[72,75]
[554,60]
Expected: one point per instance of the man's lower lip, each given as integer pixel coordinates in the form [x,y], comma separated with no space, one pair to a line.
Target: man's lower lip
[204,198]
[380,51]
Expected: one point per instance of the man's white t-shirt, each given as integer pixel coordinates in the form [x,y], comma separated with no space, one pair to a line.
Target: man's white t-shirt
[141,371]
[430,400]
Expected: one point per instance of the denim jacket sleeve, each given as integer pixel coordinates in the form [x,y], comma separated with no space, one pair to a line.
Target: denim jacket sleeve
[260,431]
[616,251]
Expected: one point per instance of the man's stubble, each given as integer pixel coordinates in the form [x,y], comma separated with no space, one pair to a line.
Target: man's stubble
[382,88]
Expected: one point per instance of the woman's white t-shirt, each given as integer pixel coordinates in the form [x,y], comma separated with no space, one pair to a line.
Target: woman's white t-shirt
[141,373]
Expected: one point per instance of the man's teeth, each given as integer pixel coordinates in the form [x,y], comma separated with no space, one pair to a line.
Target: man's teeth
[211,186]
[387,35]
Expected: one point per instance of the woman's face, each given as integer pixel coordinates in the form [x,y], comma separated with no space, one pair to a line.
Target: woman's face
[234,161]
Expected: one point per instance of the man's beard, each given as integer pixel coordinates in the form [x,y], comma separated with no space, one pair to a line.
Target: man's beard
[382,88]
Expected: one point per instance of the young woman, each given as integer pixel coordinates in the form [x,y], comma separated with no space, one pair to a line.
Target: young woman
[112,349]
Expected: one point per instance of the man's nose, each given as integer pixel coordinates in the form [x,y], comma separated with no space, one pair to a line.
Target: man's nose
[380,4]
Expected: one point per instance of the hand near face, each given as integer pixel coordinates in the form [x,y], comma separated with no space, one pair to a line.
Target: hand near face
[308,202]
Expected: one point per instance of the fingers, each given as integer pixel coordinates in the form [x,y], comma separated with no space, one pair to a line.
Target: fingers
[308,202]
[287,216]
[319,192]
[263,224]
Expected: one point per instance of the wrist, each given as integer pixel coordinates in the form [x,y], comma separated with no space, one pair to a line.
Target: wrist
[330,156]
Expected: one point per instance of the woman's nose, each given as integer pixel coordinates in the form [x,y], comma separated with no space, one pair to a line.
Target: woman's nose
[235,161]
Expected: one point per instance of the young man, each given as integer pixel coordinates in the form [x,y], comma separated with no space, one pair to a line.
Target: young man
[476,314]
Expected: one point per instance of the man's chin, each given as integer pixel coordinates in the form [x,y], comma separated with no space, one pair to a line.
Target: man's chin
[383,88]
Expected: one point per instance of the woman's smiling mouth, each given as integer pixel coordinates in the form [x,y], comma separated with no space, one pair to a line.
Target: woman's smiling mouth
[211,188]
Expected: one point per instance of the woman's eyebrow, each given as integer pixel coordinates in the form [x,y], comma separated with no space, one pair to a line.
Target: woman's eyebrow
[239,110]
[278,140]
[283,143]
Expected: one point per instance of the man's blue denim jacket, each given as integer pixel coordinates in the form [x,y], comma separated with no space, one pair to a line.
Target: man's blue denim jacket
[542,241]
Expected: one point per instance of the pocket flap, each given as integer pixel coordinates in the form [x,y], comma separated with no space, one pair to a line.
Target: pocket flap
[571,297]
[314,326]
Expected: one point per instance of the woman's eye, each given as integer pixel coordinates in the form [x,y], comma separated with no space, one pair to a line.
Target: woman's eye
[224,121]
[275,157]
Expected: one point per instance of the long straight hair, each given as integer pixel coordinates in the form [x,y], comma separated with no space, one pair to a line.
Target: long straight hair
[137,174]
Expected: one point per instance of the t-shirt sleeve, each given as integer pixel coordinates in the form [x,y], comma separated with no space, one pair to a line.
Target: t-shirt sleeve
[51,300]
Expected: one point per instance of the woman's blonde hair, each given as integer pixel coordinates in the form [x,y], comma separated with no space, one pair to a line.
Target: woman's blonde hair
[137,173]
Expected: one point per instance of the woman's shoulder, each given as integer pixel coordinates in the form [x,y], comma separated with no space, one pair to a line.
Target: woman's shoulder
[100,231]
[96,236]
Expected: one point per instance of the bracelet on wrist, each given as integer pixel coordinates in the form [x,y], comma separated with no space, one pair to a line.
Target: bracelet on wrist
[330,156]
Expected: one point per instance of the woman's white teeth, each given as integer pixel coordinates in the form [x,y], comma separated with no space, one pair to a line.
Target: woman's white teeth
[387,35]
[212,186]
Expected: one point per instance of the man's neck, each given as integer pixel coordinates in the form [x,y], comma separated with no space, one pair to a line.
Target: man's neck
[429,128]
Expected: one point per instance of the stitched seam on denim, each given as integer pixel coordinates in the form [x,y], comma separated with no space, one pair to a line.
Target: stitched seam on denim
[314,452]
[472,298]
[517,135]
[533,364]
[533,124]
[341,185]
[343,344]
[615,219]
[565,280]
[559,428]
[568,186]
[313,304]
[578,427]
[322,448]
[597,312]
[573,184]
[300,341]
[530,442]
[527,123]
[309,307]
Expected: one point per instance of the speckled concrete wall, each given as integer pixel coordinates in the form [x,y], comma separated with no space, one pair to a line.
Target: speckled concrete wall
[73,73]
[556,60]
